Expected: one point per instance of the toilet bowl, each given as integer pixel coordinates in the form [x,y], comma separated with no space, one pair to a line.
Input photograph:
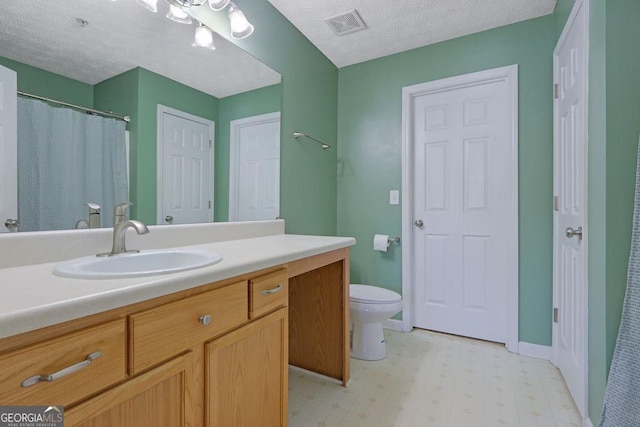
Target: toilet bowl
[369,306]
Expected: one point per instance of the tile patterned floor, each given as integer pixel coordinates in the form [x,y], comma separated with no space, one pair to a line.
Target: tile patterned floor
[436,380]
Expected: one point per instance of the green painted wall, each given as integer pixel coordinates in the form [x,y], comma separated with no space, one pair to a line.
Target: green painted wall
[597,210]
[369,134]
[308,175]
[614,126]
[40,82]
[561,14]
[623,128]
[247,104]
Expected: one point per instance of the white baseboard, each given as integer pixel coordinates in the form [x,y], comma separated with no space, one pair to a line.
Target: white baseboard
[393,324]
[535,350]
[588,422]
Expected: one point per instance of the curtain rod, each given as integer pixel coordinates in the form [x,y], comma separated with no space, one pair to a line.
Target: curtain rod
[77,107]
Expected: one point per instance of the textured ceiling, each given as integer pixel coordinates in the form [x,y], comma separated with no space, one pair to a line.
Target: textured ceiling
[122,35]
[396,26]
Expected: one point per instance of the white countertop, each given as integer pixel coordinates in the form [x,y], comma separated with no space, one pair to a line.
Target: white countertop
[33,297]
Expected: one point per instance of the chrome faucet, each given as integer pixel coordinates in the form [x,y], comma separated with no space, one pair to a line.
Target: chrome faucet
[120,212]
[120,227]
[119,233]
[94,217]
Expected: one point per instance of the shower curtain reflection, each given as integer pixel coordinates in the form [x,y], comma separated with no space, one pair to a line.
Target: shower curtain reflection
[65,159]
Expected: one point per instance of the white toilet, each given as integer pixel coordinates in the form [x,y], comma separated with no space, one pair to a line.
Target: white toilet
[369,306]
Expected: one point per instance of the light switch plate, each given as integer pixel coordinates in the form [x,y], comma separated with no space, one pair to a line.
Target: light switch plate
[394,197]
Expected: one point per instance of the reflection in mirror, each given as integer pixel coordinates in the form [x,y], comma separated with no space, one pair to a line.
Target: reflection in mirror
[117,56]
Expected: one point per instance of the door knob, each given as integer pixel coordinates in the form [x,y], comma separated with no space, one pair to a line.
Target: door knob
[419,223]
[169,219]
[570,232]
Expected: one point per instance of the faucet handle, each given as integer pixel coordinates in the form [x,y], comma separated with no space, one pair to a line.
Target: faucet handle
[93,207]
[121,208]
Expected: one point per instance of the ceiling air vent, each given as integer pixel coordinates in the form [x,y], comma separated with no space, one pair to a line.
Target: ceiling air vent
[345,23]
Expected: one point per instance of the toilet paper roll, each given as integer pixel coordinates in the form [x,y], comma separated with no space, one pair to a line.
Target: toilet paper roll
[381,242]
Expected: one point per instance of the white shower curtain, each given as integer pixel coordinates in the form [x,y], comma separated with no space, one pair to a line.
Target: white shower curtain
[67,158]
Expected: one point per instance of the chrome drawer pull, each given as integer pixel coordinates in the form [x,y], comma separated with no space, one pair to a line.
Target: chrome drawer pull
[63,372]
[205,320]
[272,291]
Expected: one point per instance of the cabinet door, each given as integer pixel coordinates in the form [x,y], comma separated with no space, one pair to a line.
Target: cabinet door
[158,398]
[246,375]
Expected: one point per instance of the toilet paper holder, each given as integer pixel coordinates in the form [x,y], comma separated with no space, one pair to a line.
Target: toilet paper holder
[394,240]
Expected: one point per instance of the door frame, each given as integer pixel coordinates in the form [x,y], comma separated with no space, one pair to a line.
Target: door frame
[577,6]
[160,156]
[508,74]
[234,135]
[9,149]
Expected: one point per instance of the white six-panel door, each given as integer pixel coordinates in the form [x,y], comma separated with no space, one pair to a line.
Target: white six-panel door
[464,208]
[254,172]
[570,293]
[184,168]
[8,147]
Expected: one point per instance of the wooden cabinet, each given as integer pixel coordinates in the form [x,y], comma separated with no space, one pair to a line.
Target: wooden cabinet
[267,293]
[66,369]
[162,332]
[246,375]
[161,397]
[213,355]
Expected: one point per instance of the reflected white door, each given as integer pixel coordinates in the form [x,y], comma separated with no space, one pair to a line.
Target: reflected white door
[8,148]
[570,294]
[254,172]
[461,143]
[185,178]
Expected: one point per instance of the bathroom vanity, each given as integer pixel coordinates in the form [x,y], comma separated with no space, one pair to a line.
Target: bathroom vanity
[206,347]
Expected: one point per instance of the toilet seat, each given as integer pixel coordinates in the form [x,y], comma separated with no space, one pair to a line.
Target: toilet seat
[366,294]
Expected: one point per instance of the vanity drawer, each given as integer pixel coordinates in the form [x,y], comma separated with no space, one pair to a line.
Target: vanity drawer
[162,332]
[81,363]
[268,292]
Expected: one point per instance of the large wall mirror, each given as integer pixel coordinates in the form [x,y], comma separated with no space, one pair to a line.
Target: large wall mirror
[118,56]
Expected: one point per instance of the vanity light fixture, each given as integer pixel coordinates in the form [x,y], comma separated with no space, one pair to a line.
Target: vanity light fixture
[240,26]
[203,37]
[178,15]
[297,135]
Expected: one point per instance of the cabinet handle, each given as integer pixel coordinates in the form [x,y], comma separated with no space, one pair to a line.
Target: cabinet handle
[272,291]
[205,320]
[61,373]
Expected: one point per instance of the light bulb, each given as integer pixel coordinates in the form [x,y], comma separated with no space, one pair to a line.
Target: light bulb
[203,37]
[152,5]
[218,5]
[240,27]
[178,15]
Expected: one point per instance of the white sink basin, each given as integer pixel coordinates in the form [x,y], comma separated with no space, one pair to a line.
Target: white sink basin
[143,263]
